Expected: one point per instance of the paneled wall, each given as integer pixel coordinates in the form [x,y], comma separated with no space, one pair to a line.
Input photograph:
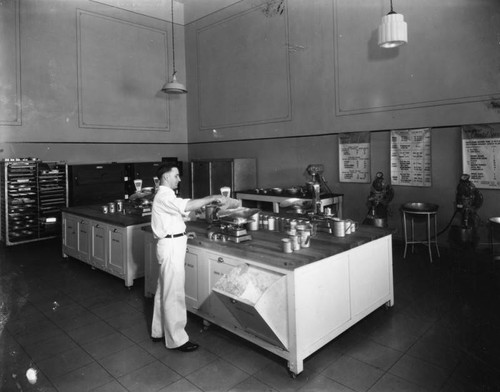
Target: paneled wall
[80,80]
[316,68]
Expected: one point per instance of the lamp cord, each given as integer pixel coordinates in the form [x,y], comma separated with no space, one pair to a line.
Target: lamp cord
[173,45]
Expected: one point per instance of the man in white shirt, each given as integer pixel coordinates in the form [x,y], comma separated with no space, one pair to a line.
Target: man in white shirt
[167,223]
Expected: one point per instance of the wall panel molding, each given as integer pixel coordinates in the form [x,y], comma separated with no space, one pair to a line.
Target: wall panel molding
[243,70]
[439,66]
[121,68]
[10,64]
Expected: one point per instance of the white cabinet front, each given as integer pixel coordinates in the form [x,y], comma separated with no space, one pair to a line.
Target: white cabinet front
[116,260]
[98,245]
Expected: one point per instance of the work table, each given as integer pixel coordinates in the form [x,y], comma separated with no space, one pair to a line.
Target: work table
[265,245]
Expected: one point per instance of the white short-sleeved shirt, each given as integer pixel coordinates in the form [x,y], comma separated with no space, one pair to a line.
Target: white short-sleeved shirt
[168,213]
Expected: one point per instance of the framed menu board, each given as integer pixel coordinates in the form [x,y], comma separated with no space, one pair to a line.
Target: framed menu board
[411,157]
[354,157]
[481,154]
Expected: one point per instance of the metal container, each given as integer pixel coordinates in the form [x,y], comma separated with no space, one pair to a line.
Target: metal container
[286,245]
[271,223]
[253,224]
[104,209]
[339,228]
[112,207]
[119,205]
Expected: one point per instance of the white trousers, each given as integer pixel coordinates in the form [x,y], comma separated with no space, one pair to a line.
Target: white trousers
[169,313]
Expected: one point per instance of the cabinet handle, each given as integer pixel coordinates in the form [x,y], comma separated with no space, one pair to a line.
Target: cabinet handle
[99,236]
[233,301]
[83,231]
[97,226]
[189,265]
[115,230]
[220,260]
[82,221]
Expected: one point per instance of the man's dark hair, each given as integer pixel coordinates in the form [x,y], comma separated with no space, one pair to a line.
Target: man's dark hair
[165,168]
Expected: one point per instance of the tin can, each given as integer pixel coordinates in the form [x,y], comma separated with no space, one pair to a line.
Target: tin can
[286,245]
[112,207]
[119,205]
[339,228]
[271,223]
[104,209]
[293,224]
[294,239]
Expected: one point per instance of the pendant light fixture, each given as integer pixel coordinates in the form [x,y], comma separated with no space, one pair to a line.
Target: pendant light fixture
[173,86]
[392,31]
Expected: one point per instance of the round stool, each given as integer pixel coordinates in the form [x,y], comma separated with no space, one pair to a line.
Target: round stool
[416,210]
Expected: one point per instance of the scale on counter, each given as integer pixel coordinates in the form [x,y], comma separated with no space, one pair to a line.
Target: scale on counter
[232,223]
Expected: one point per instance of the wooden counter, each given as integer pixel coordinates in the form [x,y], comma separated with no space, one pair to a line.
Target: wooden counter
[316,293]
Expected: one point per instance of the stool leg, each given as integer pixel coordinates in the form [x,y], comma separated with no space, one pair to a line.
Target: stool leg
[429,243]
[435,234]
[412,234]
[405,234]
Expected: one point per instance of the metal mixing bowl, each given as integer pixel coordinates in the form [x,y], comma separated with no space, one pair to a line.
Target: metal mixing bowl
[420,207]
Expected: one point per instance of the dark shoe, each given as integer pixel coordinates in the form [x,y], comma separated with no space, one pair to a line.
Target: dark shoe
[158,340]
[186,347]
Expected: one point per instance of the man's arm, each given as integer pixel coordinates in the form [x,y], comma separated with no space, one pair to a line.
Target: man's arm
[195,204]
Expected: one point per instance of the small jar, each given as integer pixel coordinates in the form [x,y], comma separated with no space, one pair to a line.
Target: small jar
[305,239]
[286,245]
[111,207]
[293,224]
[104,209]
[266,223]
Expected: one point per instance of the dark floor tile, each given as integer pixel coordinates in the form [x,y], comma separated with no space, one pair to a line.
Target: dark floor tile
[352,373]
[182,385]
[277,376]
[83,379]
[374,354]
[251,384]
[126,361]
[390,383]
[64,362]
[113,386]
[438,354]
[50,347]
[217,376]
[183,363]
[149,378]
[91,332]
[420,372]
[107,345]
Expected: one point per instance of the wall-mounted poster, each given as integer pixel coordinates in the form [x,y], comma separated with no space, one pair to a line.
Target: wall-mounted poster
[411,157]
[481,154]
[354,157]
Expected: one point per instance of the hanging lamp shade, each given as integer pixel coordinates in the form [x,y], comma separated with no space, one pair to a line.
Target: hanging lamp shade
[173,86]
[393,30]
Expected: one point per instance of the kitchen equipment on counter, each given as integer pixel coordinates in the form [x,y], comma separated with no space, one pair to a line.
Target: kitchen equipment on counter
[232,223]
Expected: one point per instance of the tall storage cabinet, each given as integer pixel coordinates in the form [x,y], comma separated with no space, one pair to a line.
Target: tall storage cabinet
[208,176]
[33,193]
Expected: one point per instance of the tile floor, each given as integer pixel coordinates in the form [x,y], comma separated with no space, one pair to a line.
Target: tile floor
[82,330]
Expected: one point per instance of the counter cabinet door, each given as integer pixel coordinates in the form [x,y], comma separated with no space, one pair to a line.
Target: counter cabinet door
[70,238]
[117,257]
[84,240]
[98,245]
[191,285]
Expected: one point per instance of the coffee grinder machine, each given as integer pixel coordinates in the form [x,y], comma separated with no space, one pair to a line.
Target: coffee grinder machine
[468,200]
[381,194]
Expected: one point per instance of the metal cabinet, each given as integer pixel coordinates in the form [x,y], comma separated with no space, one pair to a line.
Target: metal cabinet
[33,193]
[208,176]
